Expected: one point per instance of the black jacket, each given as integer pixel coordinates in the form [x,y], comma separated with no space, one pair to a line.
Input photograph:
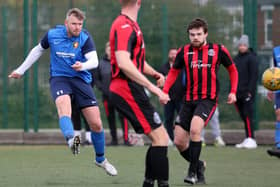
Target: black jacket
[177,91]
[247,66]
[102,76]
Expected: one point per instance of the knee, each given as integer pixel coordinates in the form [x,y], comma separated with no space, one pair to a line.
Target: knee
[180,145]
[277,115]
[159,137]
[96,126]
[195,132]
[195,135]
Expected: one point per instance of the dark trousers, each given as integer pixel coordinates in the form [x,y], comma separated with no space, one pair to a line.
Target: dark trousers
[169,114]
[76,118]
[111,117]
[244,106]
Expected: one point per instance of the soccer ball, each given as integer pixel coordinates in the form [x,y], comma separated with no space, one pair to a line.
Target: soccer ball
[271,78]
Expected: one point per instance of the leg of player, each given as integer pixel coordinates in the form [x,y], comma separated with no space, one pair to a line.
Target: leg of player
[181,140]
[87,134]
[124,124]
[246,110]
[111,117]
[169,112]
[157,166]
[216,130]
[63,105]
[76,120]
[275,151]
[92,115]
[197,124]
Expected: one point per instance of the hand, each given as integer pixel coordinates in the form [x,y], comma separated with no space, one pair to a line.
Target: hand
[231,98]
[15,75]
[270,96]
[164,98]
[77,66]
[160,80]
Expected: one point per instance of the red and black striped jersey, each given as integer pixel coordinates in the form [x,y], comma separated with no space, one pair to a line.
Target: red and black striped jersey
[201,70]
[125,35]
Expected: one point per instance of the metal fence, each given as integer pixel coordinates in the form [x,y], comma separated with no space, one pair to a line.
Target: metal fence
[27,104]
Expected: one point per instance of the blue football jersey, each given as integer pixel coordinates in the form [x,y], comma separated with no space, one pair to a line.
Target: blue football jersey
[65,51]
[276,56]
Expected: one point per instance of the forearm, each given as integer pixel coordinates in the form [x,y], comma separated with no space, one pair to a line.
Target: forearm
[128,68]
[171,78]
[131,72]
[233,75]
[32,57]
[149,70]
[92,61]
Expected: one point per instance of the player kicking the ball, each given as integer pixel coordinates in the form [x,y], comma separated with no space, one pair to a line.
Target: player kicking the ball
[72,53]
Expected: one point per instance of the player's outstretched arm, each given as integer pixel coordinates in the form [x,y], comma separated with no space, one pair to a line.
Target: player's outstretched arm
[15,75]
[31,58]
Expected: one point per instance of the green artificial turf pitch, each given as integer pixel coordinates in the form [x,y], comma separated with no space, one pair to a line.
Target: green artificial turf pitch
[51,166]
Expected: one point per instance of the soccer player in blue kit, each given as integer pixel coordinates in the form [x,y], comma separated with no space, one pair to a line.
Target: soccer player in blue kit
[72,54]
[275,151]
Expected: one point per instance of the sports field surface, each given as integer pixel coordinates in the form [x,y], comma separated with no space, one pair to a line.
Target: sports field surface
[51,166]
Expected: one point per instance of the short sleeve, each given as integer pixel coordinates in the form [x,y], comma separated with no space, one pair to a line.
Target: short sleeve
[125,37]
[45,41]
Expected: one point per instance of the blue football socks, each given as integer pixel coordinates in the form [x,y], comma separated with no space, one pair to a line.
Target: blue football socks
[66,127]
[98,141]
[277,134]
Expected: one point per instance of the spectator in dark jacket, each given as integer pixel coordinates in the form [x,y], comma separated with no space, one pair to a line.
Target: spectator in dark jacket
[102,79]
[176,94]
[247,66]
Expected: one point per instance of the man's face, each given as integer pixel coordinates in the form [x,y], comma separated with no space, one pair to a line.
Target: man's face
[242,48]
[171,55]
[74,25]
[197,37]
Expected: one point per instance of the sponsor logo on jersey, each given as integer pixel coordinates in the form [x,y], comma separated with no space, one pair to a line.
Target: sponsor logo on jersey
[190,53]
[198,64]
[65,55]
[125,26]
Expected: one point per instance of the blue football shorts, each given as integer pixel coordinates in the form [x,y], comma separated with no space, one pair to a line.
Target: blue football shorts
[79,90]
[277,100]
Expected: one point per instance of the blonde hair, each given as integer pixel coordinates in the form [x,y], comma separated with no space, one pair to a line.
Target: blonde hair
[77,13]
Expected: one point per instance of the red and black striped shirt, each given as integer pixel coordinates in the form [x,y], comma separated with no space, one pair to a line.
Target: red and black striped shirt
[125,35]
[201,70]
